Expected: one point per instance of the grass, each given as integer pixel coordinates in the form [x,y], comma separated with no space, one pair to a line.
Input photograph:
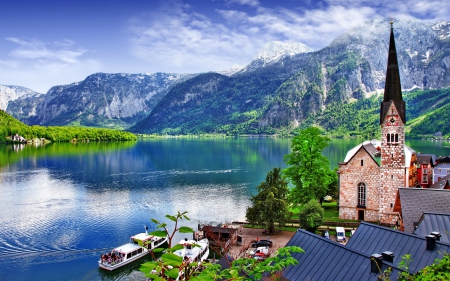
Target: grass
[331,212]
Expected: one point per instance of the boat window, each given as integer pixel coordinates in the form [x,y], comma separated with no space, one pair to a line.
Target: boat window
[139,250]
[128,255]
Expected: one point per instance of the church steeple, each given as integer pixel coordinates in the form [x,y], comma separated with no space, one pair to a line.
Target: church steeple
[392,88]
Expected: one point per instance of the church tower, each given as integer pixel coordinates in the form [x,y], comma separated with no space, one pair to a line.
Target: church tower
[392,121]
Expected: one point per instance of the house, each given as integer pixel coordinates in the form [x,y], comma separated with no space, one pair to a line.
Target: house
[441,168]
[443,183]
[373,171]
[221,233]
[425,165]
[325,259]
[412,203]
[434,222]
[18,138]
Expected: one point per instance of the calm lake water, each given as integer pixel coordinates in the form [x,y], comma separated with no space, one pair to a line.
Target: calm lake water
[61,205]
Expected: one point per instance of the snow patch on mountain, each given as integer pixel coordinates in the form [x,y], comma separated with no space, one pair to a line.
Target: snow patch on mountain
[275,50]
[10,93]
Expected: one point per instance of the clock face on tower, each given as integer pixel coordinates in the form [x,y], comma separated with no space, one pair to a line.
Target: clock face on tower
[392,120]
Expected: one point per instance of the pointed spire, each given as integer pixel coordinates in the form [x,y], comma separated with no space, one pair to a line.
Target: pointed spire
[392,88]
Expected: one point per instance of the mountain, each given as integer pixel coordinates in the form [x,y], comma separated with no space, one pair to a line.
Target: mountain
[11,93]
[280,96]
[102,100]
[286,87]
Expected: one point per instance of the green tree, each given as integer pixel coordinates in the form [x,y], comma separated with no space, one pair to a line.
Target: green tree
[169,266]
[165,231]
[311,215]
[251,269]
[270,204]
[308,169]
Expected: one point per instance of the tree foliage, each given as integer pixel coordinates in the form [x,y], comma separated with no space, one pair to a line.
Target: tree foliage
[10,126]
[308,169]
[250,269]
[169,266]
[438,271]
[165,231]
[311,215]
[269,206]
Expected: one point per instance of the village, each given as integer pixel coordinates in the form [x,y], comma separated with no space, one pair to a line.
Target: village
[401,198]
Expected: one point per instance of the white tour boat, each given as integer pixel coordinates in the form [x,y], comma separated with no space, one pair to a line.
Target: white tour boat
[131,251]
[194,251]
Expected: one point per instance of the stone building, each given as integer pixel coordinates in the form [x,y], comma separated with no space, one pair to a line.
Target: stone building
[373,171]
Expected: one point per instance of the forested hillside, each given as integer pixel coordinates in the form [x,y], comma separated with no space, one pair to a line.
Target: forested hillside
[10,126]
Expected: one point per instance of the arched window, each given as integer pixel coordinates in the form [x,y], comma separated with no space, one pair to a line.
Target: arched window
[396,137]
[388,137]
[361,194]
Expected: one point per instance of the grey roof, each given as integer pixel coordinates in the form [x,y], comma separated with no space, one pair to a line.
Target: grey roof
[426,158]
[324,259]
[430,222]
[441,183]
[443,159]
[373,151]
[371,238]
[416,201]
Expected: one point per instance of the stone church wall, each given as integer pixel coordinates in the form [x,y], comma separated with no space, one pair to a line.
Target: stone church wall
[351,174]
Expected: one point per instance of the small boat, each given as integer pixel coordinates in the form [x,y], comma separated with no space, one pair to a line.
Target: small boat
[194,251]
[140,245]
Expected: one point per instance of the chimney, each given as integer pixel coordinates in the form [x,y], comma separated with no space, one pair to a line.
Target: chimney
[437,235]
[375,263]
[431,242]
[388,256]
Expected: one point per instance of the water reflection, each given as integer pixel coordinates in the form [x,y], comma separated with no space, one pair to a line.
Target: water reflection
[63,204]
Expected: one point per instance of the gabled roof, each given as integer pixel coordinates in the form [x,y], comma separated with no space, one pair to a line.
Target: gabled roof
[443,159]
[371,148]
[442,183]
[371,238]
[430,222]
[324,259]
[392,88]
[416,201]
[426,158]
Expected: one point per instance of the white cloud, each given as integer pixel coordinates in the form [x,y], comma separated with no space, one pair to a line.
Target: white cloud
[180,40]
[40,64]
[43,52]
[252,3]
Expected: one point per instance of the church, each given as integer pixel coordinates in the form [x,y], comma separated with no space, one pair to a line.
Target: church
[372,172]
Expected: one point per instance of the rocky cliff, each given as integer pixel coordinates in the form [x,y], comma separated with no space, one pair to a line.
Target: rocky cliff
[107,100]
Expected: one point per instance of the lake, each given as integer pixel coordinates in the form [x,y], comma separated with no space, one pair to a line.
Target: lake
[62,205]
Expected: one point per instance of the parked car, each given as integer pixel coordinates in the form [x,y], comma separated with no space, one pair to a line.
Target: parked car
[262,243]
[340,234]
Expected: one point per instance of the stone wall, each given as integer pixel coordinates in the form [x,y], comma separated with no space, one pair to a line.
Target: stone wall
[351,174]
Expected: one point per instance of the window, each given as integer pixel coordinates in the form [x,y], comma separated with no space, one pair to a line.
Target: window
[361,194]
[439,171]
[396,137]
[425,179]
[362,163]
[448,171]
[425,171]
[388,137]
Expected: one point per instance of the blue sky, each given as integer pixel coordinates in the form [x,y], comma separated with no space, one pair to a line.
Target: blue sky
[48,43]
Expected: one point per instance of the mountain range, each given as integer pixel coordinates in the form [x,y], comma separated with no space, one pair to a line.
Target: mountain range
[286,87]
